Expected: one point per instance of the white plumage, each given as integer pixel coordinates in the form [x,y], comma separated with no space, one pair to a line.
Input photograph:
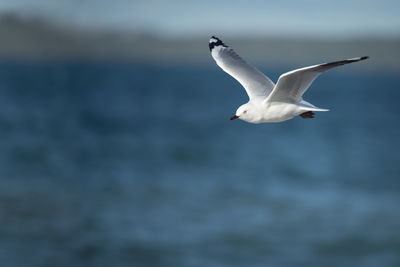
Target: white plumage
[269,102]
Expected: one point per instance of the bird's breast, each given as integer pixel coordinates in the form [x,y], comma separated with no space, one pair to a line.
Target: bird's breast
[277,112]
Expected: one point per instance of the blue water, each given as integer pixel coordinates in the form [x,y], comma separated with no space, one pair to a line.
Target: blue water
[119,164]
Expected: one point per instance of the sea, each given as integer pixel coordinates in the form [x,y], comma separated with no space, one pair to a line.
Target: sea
[137,164]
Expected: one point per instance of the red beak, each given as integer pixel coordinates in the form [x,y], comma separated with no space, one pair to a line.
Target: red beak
[234,117]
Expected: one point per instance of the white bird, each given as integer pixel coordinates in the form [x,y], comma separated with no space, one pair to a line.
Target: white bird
[269,102]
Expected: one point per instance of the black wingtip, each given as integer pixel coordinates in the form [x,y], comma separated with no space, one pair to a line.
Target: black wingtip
[215,41]
[364,57]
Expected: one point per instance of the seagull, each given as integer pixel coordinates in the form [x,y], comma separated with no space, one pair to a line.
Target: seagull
[269,102]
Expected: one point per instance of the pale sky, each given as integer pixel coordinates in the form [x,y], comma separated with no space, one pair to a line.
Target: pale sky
[338,18]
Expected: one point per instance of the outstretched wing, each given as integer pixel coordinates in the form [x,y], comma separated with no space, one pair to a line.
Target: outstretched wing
[292,85]
[254,82]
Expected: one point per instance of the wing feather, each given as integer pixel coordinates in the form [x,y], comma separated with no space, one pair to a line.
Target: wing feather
[254,82]
[292,85]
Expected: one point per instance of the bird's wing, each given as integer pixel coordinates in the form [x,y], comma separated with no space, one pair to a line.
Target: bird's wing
[254,82]
[292,85]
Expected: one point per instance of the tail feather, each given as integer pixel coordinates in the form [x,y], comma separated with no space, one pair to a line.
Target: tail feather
[304,105]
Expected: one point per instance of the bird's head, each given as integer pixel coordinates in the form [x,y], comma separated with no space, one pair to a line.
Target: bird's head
[244,112]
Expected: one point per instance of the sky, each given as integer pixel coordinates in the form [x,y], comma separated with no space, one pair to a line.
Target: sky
[339,18]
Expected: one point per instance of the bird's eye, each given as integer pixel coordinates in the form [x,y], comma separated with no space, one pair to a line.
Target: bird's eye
[244,112]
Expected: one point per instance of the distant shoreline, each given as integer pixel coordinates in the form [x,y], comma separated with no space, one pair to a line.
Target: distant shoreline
[32,40]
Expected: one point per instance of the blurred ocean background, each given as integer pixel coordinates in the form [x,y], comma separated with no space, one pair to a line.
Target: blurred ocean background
[117,148]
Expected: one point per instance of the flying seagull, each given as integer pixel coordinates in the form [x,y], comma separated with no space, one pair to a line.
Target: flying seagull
[269,102]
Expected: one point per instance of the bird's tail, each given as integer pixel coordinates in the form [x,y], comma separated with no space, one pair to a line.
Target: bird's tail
[304,105]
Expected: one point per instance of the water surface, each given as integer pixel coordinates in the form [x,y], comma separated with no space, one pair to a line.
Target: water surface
[119,164]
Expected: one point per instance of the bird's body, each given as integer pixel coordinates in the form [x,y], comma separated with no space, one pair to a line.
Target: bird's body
[269,102]
[260,111]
